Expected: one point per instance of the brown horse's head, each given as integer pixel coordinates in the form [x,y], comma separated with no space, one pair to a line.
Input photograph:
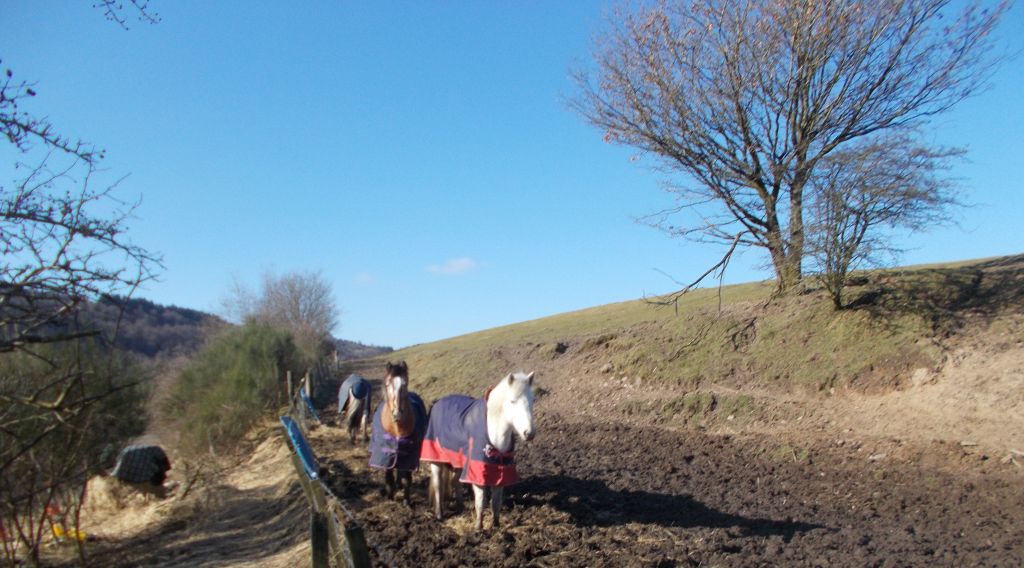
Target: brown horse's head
[397,413]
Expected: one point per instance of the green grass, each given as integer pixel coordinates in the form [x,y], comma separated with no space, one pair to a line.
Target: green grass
[741,339]
[786,453]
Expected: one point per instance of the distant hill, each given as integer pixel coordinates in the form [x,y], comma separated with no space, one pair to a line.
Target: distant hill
[355,350]
[153,330]
[158,331]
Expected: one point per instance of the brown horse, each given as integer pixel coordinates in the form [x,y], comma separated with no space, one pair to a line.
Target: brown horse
[398,427]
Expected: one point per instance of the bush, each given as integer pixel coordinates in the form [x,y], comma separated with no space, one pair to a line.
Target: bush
[67,408]
[231,384]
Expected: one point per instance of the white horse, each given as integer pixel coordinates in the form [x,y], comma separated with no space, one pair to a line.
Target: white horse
[478,437]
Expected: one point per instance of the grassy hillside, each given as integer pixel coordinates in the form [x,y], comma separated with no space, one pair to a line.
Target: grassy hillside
[725,351]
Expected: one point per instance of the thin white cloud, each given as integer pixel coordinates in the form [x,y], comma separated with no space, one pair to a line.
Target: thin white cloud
[365,279]
[453,266]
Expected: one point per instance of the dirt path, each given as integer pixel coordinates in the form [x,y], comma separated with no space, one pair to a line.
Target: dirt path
[600,493]
[251,515]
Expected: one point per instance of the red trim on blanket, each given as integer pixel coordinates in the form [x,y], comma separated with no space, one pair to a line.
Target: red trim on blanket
[480,473]
[432,451]
[490,474]
[475,471]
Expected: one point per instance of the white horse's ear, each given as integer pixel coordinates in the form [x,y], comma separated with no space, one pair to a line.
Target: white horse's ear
[511,379]
[529,378]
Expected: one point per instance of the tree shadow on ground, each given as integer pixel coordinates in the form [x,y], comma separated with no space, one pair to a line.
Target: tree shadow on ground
[591,503]
[346,484]
[247,525]
[945,297]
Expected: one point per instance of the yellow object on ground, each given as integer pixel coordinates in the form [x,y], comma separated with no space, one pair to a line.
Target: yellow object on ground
[60,533]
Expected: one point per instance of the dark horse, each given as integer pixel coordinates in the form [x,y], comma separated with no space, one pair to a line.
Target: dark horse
[354,406]
[398,427]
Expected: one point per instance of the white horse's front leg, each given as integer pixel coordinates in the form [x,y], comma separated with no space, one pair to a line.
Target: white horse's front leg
[437,492]
[478,498]
[497,494]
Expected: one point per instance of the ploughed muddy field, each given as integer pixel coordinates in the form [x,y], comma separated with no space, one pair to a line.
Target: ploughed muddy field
[601,493]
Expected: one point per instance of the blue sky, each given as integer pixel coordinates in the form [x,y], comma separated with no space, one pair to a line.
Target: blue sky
[420,155]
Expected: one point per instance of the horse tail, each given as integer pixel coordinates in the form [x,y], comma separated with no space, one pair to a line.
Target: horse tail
[357,409]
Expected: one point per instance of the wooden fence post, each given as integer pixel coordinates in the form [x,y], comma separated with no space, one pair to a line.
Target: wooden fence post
[318,532]
[291,393]
[357,546]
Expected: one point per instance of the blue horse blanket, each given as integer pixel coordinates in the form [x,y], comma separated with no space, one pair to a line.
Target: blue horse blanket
[457,435]
[403,454]
[358,386]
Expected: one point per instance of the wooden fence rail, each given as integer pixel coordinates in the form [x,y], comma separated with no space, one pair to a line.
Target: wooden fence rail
[334,532]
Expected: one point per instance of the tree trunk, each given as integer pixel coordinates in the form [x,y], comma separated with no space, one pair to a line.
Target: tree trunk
[788,270]
[786,260]
[795,250]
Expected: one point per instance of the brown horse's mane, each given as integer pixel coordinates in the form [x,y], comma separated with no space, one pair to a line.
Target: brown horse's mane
[405,426]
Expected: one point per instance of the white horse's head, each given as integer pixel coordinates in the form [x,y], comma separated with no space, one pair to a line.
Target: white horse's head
[517,407]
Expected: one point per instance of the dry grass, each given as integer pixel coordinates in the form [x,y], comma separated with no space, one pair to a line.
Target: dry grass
[740,356]
[796,342]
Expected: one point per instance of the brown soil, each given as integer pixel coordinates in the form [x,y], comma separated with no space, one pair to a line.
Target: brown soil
[602,493]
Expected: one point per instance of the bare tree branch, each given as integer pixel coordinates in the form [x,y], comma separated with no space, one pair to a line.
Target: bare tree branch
[58,253]
[22,129]
[719,268]
[114,10]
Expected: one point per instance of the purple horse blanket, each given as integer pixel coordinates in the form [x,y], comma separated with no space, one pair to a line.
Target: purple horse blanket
[457,435]
[403,454]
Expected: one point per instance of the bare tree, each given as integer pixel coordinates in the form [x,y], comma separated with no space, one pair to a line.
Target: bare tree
[860,191]
[748,98]
[299,302]
[61,249]
[56,419]
[63,392]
